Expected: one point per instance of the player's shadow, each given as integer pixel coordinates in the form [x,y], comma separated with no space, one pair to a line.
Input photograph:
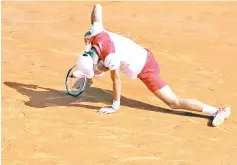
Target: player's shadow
[40,97]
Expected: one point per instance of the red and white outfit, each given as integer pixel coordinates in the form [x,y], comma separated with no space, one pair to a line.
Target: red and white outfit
[133,60]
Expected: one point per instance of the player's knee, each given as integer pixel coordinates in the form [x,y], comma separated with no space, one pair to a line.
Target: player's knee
[174,104]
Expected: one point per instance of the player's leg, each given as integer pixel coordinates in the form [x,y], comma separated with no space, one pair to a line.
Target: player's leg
[150,75]
[167,96]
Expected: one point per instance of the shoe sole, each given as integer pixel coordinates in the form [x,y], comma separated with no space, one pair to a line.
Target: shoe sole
[217,124]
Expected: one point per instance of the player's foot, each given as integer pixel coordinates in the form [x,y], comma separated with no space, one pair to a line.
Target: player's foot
[220,116]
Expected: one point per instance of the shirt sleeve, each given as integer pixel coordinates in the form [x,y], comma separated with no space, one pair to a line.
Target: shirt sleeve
[96,28]
[112,61]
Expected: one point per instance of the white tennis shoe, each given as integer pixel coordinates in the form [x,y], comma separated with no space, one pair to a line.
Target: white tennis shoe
[220,116]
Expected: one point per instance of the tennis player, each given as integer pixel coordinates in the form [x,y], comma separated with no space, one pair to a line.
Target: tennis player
[107,51]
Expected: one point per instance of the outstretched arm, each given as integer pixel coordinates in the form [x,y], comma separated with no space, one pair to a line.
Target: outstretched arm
[96,24]
[96,15]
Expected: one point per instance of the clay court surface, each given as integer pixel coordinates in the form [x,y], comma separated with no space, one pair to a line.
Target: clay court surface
[196,46]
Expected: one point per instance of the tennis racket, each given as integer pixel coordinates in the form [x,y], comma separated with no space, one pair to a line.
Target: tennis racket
[75,82]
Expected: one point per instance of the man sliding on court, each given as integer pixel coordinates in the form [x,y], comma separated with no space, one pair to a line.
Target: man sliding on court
[109,51]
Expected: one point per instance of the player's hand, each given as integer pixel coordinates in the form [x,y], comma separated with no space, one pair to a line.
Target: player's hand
[107,110]
[90,82]
[97,72]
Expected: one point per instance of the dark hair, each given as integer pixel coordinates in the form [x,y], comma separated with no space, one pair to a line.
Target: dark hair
[87,33]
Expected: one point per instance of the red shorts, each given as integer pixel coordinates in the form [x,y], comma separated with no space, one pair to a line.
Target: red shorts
[150,74]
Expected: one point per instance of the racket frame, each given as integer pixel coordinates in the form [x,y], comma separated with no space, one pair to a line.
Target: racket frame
[66,83]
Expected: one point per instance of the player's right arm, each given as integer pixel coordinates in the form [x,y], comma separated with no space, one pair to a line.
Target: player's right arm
[96,15]
[96,25]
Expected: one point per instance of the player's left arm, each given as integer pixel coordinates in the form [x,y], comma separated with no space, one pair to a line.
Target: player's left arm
[115,77]
[113,63]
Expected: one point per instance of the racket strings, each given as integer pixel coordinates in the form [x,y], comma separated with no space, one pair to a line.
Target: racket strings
[75,85]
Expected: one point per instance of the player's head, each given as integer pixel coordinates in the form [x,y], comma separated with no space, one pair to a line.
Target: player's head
[87,37]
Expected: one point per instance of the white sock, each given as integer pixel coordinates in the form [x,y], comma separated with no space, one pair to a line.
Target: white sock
[209,109]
